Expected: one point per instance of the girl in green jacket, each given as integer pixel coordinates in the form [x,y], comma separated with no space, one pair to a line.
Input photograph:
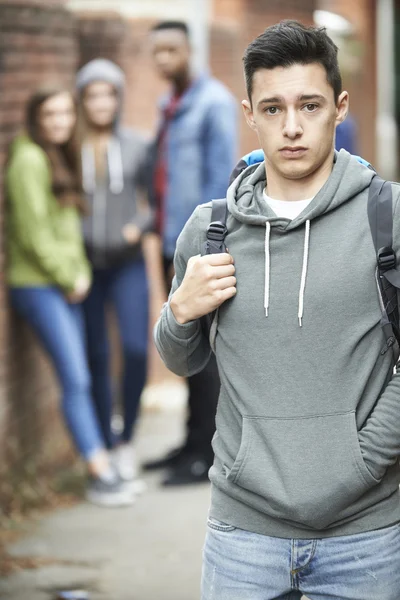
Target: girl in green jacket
[48,272]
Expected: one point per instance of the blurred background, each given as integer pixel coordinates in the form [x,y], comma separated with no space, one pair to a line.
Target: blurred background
[41,40]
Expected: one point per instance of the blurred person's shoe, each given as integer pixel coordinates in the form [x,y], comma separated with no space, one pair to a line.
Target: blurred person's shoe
[72,595]
[124,461]
[193,469]
[169,460]
[109,491]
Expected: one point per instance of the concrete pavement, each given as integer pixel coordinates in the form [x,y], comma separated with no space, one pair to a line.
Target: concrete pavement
[150,551]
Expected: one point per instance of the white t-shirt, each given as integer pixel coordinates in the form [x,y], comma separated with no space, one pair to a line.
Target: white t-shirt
[287,209]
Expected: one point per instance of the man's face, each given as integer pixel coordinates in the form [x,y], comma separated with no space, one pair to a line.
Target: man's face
[294,114]
[171,53]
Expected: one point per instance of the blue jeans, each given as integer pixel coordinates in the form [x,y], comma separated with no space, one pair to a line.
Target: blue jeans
[125,289]
[59,327]
[239,565]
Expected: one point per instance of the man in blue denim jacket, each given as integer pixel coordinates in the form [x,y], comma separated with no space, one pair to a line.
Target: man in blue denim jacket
[195,152]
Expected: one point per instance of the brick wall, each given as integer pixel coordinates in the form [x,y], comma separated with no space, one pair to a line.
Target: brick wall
[103,35]
[37,44]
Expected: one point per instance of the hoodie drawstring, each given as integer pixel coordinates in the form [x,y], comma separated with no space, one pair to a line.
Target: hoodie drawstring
[303,272]
[267,267]
[88,169]
[114,155]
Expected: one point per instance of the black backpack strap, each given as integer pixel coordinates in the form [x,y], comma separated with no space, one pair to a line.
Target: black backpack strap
[216,231]
[215,244]
[380,215]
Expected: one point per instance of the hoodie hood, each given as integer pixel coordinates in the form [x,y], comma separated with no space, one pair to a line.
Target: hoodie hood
[100,69]
[104,70]
[247,204]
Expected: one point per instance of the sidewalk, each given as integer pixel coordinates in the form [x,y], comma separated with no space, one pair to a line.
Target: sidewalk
[150,551]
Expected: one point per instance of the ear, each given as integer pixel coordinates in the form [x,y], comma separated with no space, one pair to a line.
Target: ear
[342,107]
[248,113]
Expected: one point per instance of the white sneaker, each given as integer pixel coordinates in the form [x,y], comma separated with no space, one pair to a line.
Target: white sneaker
[108,493]
[123,457]
[136,486]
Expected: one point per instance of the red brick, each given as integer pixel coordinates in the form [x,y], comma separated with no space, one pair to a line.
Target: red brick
[38,42]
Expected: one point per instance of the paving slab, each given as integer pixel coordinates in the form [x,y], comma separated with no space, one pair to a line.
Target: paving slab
[150,551]
[46,580]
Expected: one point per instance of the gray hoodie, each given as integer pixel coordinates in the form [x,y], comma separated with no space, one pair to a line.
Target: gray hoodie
[308,421]
[113,199]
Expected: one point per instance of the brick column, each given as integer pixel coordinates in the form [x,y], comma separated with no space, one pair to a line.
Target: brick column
[37,44]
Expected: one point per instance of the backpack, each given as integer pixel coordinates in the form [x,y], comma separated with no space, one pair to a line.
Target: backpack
[380,216]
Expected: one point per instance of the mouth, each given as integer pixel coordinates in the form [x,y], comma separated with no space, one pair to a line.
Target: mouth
[293,151]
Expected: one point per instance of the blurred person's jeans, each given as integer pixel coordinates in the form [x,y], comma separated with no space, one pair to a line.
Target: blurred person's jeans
[125,289]
[239,565]
[59,327]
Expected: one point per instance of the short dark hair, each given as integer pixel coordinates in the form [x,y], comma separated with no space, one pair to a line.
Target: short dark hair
[180,25]
[288,43]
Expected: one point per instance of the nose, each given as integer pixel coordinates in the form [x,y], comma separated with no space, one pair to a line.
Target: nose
[62,120]
[292,127]
[163,58]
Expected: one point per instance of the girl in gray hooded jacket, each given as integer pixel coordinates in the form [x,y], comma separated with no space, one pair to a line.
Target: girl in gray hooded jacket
[114,179]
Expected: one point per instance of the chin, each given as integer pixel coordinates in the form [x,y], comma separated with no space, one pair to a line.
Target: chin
[165,75]
[59,141]
[106,122]
[295,171]
[298,169]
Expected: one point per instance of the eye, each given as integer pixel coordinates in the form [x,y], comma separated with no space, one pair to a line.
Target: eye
[311,107]
[272,110]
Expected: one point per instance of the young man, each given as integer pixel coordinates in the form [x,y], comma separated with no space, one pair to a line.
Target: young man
[305,494]
[194,155]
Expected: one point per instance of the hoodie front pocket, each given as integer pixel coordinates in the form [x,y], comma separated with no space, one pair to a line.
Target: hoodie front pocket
[308,470]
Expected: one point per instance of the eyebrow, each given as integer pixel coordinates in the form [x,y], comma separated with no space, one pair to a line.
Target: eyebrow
[306,97]
[273,100]
[302,98]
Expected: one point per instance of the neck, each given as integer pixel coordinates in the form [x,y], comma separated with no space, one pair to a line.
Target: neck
[181,83]
[282,188]
[99,133]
